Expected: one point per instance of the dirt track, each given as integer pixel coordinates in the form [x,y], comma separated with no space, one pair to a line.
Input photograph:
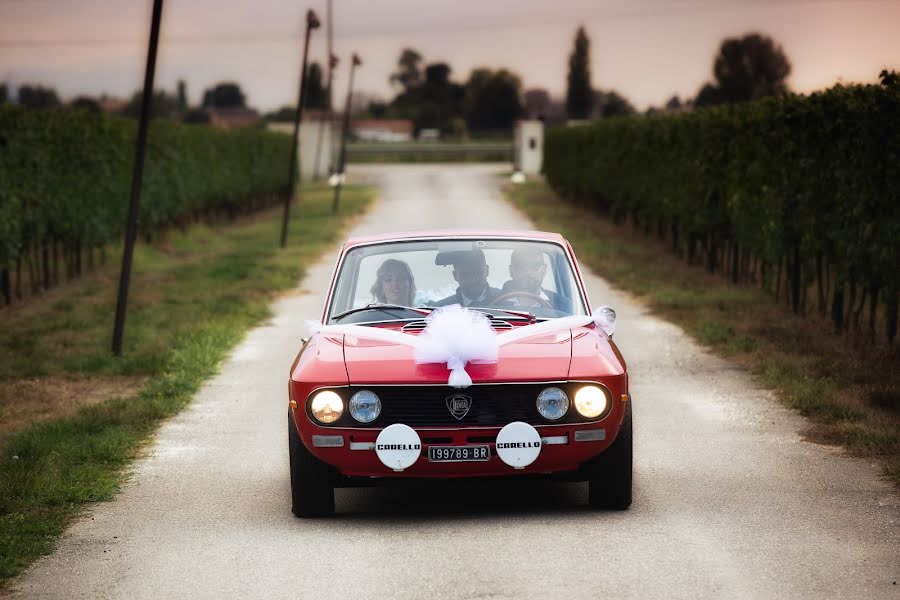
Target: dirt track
[730,501]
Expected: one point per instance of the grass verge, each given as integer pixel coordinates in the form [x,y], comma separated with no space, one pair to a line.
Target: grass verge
[194,294]
[850,389]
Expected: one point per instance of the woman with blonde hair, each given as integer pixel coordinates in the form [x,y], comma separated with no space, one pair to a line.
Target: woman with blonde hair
[394,283]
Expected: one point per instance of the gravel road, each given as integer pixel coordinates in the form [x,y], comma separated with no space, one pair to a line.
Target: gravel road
[730,501]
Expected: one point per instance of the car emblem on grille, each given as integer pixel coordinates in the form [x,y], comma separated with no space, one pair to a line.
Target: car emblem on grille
[459,405]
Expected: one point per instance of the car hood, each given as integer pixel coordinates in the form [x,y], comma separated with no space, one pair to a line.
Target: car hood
[540,358]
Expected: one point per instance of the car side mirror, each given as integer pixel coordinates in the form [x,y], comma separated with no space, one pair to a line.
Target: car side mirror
[605,319]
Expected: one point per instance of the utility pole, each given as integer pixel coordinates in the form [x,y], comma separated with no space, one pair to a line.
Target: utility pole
[342,160]
[332,63]
[312,22]
[137,176]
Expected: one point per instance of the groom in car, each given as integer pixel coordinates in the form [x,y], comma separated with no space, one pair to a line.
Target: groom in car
[470,270]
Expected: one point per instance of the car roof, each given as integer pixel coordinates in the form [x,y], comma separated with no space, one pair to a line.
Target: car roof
[457,233]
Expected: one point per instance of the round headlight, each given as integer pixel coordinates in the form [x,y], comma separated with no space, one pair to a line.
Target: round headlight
[327,407]
[365,406]
[552,403]
[591,401]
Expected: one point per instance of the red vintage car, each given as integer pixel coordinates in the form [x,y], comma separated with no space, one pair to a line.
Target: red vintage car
[451,354]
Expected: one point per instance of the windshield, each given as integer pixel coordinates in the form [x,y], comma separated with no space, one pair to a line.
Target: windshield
[525,278]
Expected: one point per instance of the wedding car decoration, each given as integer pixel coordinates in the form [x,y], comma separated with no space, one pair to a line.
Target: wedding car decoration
[456,336]
[458,354]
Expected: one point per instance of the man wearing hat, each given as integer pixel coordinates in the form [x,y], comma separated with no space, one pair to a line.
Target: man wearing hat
[470,270]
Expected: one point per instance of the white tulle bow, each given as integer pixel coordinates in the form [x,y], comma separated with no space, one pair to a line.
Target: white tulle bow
[457,336]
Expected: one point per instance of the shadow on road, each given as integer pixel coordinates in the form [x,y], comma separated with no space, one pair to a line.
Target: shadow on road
[462,499]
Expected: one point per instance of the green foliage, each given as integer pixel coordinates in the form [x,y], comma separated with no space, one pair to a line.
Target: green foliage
[790,180]
[748,68]
[409,73]
[612,104]
[86,103]
[852,391]
[579,95]
[163,105]
[195,297]
[492,100]
[37,96]
[65,176]
[489,100]
[224,95]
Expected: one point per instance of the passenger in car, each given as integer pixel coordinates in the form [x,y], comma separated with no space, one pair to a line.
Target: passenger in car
[470,270]
[527,268]
[394,283]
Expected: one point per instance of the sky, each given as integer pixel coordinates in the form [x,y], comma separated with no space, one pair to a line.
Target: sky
[646,50]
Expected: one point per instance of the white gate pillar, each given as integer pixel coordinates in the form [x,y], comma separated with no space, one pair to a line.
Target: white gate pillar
[529,150]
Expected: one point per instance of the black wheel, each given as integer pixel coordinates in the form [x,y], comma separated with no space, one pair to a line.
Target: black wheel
[312,481]
[609,481]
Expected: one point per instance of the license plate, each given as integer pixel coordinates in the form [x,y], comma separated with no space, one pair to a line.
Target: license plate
[458,453]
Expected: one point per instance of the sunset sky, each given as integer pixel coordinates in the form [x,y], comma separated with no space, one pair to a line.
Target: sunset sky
[645,49]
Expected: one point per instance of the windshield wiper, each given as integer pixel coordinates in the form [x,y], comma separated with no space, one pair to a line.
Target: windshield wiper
[379,306]
[519,313]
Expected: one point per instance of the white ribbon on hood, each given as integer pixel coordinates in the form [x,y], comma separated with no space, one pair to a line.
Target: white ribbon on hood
[456,336]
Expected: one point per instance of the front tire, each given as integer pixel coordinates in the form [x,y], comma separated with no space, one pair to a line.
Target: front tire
[609,475]
[312,481]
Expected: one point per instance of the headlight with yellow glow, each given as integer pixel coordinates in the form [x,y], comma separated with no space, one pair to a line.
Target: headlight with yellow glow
[591,401]
[327,407]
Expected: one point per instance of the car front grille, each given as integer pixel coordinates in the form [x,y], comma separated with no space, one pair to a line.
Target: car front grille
[427,405]
[490,405]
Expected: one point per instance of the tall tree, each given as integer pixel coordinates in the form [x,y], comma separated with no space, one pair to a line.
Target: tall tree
[708,96]
[750,68]
[746,68]
[408,74]
[182,96]
[37,96]
[492,100]
[537,102]
[439,99]
[4,94]
[889,79]
[378,110]
[674,103]
[408,78]
[224,95]
[316,96]
[86,103]
[579,96]
[612,104]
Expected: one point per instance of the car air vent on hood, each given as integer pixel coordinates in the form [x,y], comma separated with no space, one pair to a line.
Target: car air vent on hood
[416,326]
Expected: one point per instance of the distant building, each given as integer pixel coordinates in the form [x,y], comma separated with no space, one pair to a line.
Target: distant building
[233,118]
[383,130]
[429,135]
